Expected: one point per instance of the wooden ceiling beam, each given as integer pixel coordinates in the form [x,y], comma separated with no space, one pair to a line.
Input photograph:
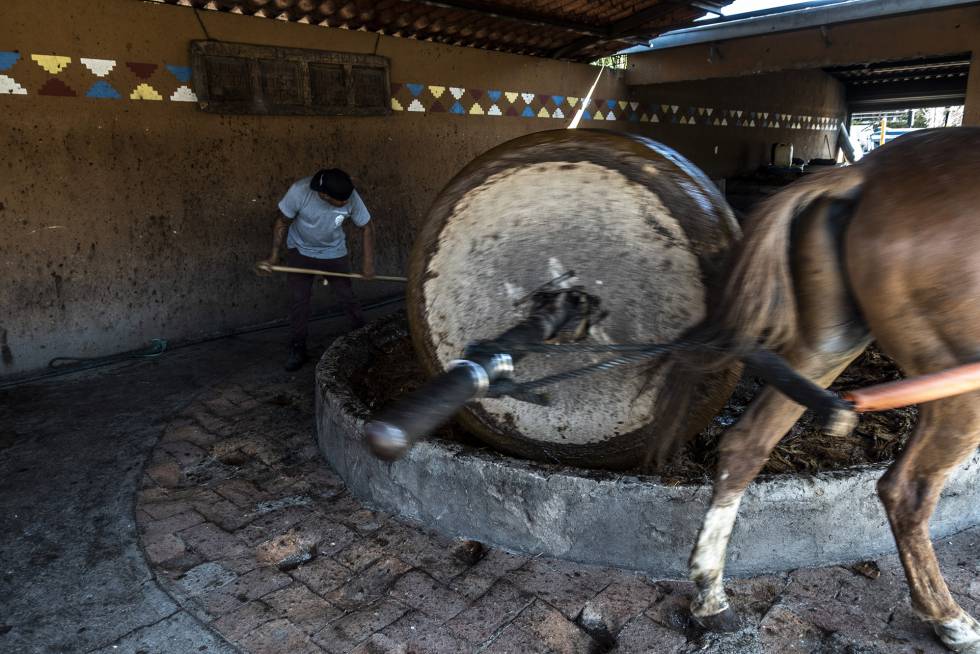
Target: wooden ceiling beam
[513,15]
[461,20]
[641,20]
[628,28]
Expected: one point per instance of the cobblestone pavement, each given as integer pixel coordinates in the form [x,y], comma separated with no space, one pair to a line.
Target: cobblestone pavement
[262,549]
[251,532]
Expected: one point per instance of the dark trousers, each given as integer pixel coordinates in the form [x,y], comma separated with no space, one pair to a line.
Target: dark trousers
[301,290]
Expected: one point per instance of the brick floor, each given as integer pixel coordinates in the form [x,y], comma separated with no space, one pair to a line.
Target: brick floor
[420,591]
[248,529]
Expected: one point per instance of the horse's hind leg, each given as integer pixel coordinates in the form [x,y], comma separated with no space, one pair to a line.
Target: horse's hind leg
[947,432]
[743,451]
[830,335]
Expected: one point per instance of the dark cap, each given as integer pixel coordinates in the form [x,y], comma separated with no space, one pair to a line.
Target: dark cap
[334,182]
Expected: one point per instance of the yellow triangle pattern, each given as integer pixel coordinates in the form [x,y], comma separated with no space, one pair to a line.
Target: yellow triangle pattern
[544,113]
[477,110]
[145,92]
[437,91]
[396,105]
[511,96]
[572,101]
[54,64]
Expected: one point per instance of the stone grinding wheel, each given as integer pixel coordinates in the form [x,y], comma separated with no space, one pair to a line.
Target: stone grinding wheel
[642,228]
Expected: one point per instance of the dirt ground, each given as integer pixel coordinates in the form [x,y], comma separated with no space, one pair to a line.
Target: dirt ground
[805,449]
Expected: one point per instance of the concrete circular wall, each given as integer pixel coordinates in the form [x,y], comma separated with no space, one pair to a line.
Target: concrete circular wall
[785,522]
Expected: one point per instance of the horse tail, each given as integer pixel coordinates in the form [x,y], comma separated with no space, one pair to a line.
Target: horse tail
[755,307]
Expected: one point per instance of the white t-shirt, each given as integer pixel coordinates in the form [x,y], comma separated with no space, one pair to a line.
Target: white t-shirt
[315,227]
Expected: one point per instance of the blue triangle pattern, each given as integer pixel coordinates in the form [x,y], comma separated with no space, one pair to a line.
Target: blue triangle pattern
[182,73]
[102,89]
[457,108]
[558,99]
[633,117]
[527,113]
[494,95]
[611,104]
[415,89]
[586,115]
[8,59]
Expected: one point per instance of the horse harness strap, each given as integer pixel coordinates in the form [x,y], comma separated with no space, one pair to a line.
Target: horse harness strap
[560,316]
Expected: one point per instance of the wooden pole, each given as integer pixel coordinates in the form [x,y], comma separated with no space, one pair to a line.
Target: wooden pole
[947,383]
[310,271]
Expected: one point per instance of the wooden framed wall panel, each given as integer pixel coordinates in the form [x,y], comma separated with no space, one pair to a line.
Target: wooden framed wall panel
[240,78]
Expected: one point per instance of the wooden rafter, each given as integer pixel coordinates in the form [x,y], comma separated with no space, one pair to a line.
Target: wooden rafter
[565,29]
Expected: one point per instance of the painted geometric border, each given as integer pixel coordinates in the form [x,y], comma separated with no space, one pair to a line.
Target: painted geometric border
[109,79]
[428,98]
[101,79]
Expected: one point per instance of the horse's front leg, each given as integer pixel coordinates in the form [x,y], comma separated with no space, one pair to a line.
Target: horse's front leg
[948,431]
[743,452]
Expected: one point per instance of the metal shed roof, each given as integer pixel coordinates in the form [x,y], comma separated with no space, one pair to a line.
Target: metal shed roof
[579,30]
[788,18]
[929,82]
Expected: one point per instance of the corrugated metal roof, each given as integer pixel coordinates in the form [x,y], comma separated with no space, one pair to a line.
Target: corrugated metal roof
[579,30]
[818,13]
[903,71]
[928,82]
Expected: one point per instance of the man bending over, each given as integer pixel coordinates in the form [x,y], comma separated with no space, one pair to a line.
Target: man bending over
[312,213]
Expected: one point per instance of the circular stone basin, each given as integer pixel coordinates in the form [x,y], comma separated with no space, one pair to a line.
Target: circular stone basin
[636,522]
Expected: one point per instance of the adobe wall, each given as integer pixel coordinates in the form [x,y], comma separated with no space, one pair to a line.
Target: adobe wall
[128,214]
[728,126]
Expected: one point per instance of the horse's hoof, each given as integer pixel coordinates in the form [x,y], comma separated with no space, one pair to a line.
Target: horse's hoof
[968,648]
[727,620]
[961,635]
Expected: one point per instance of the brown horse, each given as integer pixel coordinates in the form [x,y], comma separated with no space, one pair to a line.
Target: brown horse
[886,249]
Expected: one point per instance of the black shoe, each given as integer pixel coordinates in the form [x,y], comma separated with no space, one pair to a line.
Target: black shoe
[297,357]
